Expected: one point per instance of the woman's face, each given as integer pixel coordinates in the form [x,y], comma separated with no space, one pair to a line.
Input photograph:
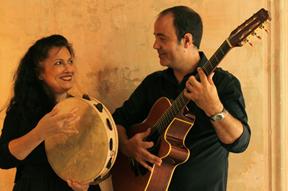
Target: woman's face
[57,71]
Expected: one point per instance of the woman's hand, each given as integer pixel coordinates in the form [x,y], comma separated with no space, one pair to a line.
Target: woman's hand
[77,186]
[54,123]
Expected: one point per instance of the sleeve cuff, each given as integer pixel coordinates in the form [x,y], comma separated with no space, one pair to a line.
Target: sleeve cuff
[7,160]
[240,144]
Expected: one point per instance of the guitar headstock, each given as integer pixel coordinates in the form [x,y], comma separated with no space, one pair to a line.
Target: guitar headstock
[240,34]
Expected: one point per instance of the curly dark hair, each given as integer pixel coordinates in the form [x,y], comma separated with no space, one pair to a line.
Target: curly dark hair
[186,20]
[31,93]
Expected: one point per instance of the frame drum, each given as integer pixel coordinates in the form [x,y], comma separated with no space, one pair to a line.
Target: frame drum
[89,155]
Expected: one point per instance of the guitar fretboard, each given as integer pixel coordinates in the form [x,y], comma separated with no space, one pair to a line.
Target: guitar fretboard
[181,101]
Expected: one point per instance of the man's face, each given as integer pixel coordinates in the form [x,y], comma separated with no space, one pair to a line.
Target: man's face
[170,50]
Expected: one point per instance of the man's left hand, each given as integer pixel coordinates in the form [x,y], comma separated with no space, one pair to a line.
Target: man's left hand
[203,93]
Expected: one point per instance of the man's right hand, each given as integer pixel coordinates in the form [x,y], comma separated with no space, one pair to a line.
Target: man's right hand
[137,148]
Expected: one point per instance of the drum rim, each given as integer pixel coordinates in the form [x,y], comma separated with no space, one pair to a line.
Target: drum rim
[111,154]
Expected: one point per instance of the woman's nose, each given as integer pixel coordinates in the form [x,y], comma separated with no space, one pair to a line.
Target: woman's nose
[69,67]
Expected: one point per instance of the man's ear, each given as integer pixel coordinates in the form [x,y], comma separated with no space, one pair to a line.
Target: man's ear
[188,40]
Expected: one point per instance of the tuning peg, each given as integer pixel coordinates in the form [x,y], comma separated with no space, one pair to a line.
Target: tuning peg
[263,27]
[255,34]
[247,41]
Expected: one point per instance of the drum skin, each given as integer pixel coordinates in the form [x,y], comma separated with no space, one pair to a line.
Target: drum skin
[89,155]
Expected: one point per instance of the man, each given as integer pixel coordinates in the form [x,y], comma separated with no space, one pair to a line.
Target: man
[216,101]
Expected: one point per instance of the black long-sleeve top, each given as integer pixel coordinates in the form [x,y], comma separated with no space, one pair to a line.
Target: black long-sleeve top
[34,173]
[207,166]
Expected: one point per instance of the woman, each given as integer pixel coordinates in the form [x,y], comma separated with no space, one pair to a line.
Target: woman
[44,76]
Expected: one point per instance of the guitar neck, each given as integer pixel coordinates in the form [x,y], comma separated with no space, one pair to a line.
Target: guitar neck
[216,58]
[181,101]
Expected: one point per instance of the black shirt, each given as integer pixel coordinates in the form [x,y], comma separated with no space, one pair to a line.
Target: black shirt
[207,166]
[34,173]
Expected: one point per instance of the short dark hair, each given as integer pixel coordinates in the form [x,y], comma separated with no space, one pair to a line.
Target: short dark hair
[29,91]
[186,20]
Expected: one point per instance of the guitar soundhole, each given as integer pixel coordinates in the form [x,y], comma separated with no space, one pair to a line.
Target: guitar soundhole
[109,124]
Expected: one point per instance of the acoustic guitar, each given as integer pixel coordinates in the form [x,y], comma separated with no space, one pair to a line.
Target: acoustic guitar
[170,122]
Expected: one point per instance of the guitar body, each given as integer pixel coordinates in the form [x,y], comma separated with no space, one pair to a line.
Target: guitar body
[171,149]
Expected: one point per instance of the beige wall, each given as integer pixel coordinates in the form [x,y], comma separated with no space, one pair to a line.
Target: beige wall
[113,42]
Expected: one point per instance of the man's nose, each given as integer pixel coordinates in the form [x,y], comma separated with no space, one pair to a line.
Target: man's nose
[156,45]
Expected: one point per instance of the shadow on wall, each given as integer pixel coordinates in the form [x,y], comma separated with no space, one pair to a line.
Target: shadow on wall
[113,85]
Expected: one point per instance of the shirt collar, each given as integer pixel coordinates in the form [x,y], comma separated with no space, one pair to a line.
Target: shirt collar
[202,61]
[169,75]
